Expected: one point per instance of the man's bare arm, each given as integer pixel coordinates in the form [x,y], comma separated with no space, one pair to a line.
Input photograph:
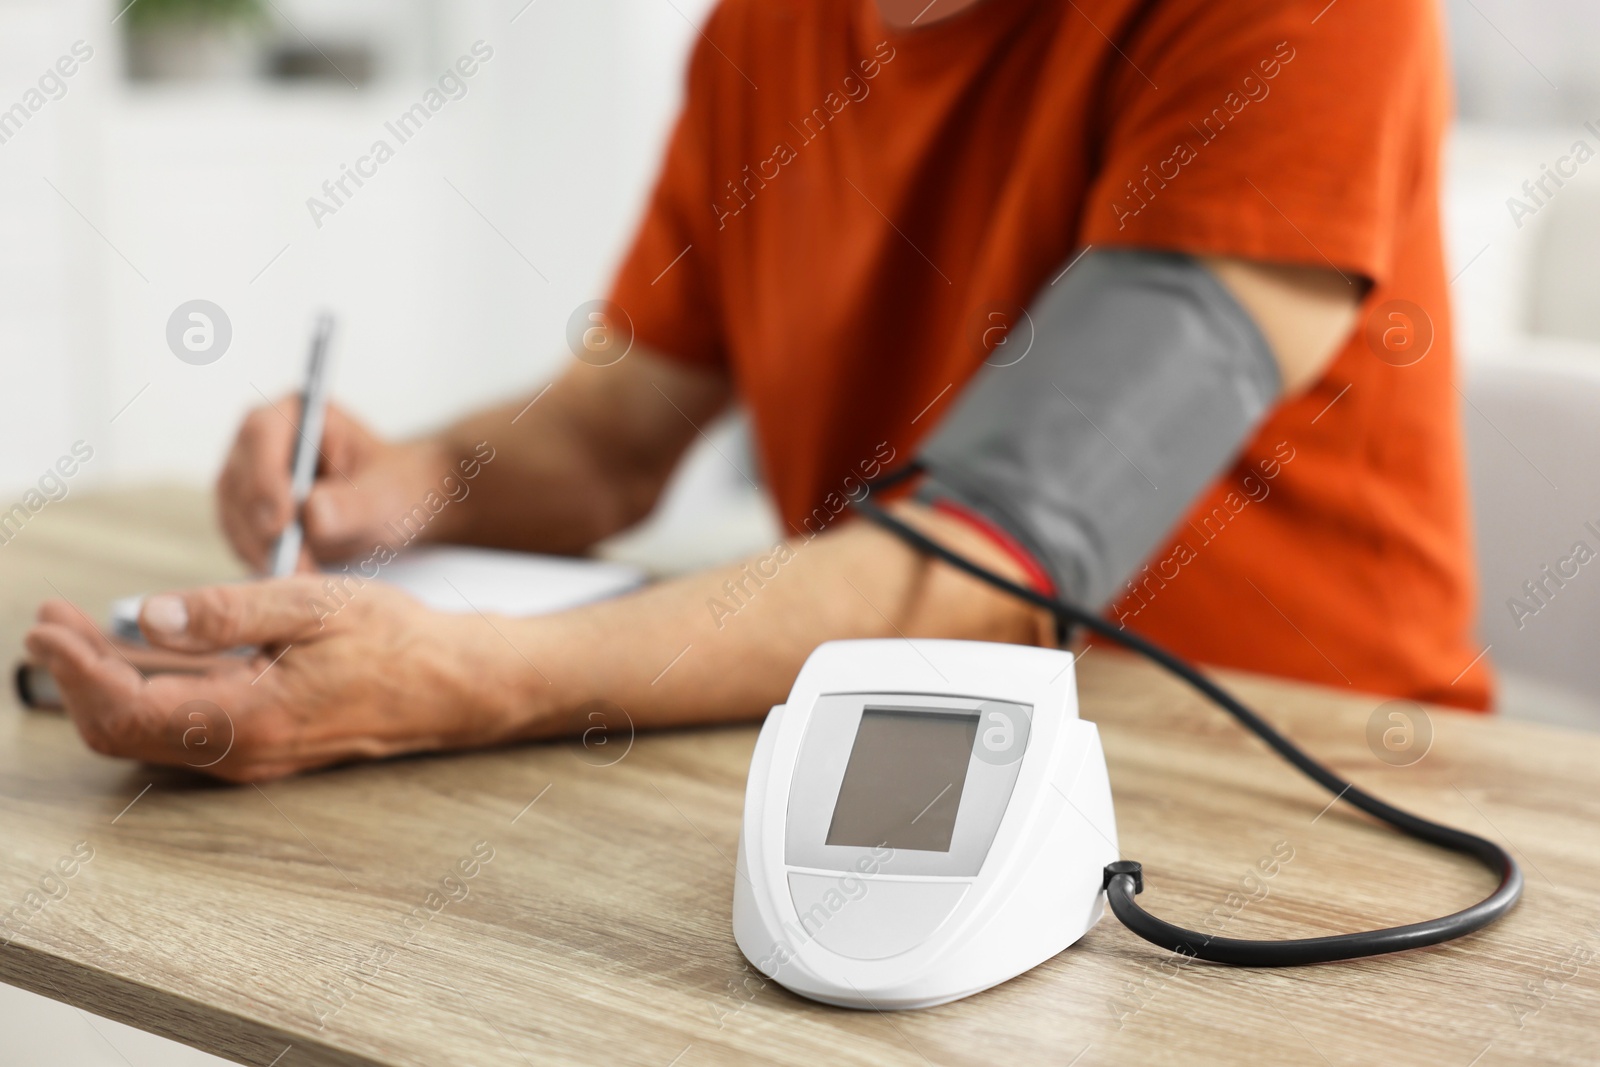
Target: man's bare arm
[384,676]
[590,456]
[571,463]
[582,459]
[1305,313]
[725,643]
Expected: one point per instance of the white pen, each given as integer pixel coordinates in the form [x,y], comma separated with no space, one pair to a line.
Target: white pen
[307,447]
[303,471]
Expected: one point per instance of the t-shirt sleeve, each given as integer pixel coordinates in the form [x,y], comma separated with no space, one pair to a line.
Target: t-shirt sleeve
[667,282]
[1284,132]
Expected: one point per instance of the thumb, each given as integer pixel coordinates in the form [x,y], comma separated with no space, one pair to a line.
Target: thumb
[343,520]
[222,617]
[338,517]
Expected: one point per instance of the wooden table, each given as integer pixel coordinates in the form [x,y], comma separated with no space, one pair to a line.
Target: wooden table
[234,918]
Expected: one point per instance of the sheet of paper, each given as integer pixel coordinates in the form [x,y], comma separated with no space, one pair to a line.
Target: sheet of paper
[454,578]
[458,579]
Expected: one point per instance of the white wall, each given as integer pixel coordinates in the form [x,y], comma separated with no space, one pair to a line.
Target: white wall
[51,293]
[1521,63]
[196,190]
[1528,88]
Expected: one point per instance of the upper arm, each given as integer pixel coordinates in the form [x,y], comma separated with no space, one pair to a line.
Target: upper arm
[1144,379]
[1305,313]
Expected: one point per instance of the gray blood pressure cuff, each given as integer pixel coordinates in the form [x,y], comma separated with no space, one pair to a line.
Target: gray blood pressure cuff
[1143,379]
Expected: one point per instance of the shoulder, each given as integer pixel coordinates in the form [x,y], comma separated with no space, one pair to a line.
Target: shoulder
[1189,31]
[1336,56]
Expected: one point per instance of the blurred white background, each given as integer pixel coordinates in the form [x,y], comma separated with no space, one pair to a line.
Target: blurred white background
[125,198]
[454,270]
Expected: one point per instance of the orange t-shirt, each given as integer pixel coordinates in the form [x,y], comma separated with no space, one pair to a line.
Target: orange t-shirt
[844,207]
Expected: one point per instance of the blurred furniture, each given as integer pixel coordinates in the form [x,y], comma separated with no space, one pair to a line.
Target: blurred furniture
[1531,272]
[310,921]
[1527,308]
[1532,419]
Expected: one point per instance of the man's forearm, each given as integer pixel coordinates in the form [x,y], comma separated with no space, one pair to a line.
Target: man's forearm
[579,459]
[543,490]
[725,644]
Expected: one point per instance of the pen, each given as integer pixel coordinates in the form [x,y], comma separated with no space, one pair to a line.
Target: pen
[34,685]
[307,447]
[303,470]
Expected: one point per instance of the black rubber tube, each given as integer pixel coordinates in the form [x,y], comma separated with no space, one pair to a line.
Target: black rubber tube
[1121,886]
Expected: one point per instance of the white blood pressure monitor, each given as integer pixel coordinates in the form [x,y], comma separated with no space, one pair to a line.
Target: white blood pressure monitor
[923,820]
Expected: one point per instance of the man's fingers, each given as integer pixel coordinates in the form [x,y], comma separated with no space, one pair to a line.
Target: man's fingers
[266,441]
[340,519]
[221,617]
[62,613]
[144,659]
[54,644]
[101,693]
[253,491]
[199,721]
[343,440]
[253,501]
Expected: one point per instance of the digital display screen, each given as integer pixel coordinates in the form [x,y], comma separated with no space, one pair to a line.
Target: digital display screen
[902,786]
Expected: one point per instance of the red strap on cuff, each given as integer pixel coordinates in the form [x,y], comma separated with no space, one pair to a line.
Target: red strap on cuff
[1037,577]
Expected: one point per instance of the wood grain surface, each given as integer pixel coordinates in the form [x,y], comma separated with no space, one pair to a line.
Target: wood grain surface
[313,921]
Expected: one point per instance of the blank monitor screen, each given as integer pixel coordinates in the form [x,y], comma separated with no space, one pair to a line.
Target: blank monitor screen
[902,786]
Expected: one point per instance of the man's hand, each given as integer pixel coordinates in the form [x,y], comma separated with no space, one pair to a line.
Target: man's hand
[362,481]
[365,675]
[589,460]
[370,673]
